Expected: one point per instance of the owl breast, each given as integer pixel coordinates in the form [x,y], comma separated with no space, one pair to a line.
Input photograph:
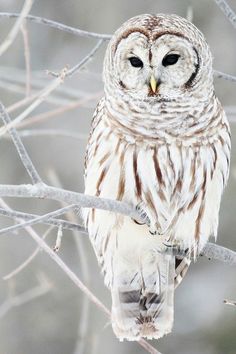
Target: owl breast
[178,185]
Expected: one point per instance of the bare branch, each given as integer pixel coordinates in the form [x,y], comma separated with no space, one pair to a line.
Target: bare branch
[23,265]
[15,29]
[230,302]
[25,36]
[58,26]
[38,219]
[50,221]
[27,296]
[220,75]
[44,93]
[69,197]
[219,253]
[78,66]
[49,132]
[226,9]
[20,147]
[58,239]
[86,201]
[55,112]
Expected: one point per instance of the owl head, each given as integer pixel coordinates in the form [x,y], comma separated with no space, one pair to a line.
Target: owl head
[158,57]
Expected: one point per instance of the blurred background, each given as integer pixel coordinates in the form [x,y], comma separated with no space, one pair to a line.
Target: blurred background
[54,316]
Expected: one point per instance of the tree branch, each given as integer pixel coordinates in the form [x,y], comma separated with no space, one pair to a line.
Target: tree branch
[19,147]
[86,201]
[58,26]
[15,29]
[220,75]
[49,221]
[78,66]
[27,296]
[226,9]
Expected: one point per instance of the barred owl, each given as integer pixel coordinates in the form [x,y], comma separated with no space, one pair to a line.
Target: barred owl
[160,140]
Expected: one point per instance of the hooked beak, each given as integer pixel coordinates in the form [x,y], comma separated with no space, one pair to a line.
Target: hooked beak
[153,84]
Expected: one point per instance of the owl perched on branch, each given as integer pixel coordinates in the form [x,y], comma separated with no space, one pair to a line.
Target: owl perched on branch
[160,140]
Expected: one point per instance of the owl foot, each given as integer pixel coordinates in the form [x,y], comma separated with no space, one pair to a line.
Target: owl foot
[146,219]
[174,248]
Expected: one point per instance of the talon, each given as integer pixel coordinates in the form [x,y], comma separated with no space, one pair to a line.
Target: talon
[143,215]
[137,222]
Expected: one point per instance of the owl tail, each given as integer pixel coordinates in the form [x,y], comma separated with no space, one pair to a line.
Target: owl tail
[143,300]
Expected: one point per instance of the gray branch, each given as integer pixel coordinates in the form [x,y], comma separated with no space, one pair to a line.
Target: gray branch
[57,25]
[38,219]
[226,9]
[220,75]
[20,147]
[86,201]
[78,66]
[49,221]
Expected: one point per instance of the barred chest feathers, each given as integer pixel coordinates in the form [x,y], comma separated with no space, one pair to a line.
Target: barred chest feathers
[180,183]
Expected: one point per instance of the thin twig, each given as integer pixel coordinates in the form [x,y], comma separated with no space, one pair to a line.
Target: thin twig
[78,66]
[54,99]
[41,97]
[55,112]
[25,36]
[58,239]
[38,219]
[58,26]
[15,29]
[226,9]
[49,132]
[28,260]
[25,297]
[220,75]
[19,147]
[50,221]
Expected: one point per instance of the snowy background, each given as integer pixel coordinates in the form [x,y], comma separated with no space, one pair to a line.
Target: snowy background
[63,321]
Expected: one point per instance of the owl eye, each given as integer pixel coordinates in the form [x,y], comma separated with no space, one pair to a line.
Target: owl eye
[136,62]
[170,59]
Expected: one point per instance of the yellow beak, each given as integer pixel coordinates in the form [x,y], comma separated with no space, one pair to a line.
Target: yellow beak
[153,84]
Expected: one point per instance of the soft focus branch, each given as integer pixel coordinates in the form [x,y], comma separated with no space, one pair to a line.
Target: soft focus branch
[25,297]
[226,9]
[57,25]
[16,28]
[13,214]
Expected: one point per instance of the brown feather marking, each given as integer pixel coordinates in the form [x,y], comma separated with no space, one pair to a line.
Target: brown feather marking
[171,162]
[193,170]
[121,185]
[157,168]
[201,208]
[215,160]
[101,178]
[136,176]
[104,158]
[150,201]
[106,241]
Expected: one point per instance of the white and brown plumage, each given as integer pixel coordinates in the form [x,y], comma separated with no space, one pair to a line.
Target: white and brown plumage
[159,139]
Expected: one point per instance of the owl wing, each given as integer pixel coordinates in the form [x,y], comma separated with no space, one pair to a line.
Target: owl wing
[90,148]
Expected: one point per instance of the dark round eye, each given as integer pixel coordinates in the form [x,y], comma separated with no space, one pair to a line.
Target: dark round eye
[170,59]
[136,62]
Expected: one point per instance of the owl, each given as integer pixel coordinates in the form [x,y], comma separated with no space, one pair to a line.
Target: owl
[159,141]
